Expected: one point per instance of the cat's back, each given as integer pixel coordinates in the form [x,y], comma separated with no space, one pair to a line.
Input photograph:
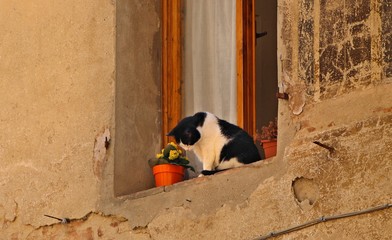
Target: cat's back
[216,126]
[210,126]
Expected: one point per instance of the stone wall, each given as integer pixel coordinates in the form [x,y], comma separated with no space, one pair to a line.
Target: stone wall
[334,47]
[58,93]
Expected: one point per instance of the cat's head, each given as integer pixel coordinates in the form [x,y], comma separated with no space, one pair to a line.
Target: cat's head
[186,133]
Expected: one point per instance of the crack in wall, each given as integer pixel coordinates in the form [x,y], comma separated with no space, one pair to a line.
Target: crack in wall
[86,227]
[88,216]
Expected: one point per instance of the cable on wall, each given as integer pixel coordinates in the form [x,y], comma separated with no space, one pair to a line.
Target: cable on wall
[323,219]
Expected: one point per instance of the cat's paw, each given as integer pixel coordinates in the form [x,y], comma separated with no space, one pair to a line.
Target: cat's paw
[200,175]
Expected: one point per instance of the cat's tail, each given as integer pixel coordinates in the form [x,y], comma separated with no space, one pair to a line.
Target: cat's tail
[211,172]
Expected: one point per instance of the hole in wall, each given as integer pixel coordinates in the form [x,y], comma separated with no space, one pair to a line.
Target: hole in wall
[306,192]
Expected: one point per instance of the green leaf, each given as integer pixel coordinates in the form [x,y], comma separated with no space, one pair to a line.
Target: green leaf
[163,161]
[182,161]
[190,167]
[167,149]
[156,161]
[152,162]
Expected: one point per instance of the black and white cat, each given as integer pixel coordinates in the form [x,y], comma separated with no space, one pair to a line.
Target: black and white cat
[217,143]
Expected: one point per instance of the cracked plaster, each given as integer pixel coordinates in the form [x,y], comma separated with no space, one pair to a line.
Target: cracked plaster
[51,149]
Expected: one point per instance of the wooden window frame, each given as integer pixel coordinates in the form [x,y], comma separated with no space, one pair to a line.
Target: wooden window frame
[171,65]
[246,74]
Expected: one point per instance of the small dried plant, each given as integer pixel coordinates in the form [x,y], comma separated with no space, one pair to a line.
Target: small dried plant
[269,132]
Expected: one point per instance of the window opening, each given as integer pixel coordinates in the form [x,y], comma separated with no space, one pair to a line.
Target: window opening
[266,70]
[255,64]
[266,63]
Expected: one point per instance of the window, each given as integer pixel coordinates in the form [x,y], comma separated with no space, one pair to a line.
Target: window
[255,60]
[248,87]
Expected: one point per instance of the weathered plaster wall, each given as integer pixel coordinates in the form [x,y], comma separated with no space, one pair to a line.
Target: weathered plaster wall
[57,86]
[138,86]
[57,95]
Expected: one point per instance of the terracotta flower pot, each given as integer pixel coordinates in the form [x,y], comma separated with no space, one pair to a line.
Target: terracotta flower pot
[168,174]
[269,147]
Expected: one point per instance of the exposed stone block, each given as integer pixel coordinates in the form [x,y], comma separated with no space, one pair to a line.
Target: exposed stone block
[386,37]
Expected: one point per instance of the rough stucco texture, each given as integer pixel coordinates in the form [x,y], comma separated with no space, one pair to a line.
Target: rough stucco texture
[56,90]
[56,83]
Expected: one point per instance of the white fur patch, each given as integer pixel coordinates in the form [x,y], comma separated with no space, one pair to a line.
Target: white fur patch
[186,147]
[209,147]
[232,163]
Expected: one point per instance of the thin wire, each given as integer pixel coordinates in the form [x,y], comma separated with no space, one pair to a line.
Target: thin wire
[323,219]
[53,217]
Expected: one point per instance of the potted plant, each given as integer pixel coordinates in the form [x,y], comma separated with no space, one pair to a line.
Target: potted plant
[169,165]
[268,138]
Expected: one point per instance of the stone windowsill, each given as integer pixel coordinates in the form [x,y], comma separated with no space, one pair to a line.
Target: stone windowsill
[199,180]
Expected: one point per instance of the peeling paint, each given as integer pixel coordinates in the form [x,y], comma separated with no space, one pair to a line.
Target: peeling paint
[8,212]
[296,91]
[336,48]
[100,153]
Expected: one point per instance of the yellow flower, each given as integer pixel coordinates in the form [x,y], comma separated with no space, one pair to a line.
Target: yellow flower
[159,155]
[179,150]
[173,144]
[173,154]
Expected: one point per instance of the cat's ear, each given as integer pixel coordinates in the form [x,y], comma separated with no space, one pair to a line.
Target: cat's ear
[171,133]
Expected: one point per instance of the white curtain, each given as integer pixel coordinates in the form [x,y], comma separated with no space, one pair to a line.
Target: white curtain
[209,71]
[209,61]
